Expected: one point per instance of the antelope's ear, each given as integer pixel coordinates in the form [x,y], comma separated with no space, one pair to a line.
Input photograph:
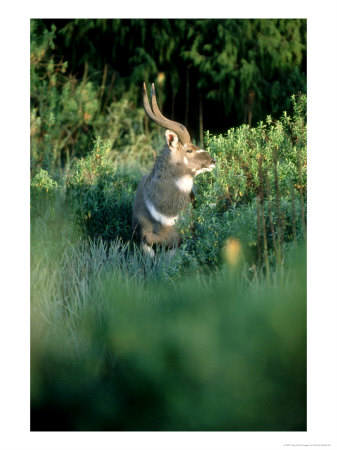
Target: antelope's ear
[172,140]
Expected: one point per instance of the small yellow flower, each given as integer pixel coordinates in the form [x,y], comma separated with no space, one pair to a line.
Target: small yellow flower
[161,77]
[232,252]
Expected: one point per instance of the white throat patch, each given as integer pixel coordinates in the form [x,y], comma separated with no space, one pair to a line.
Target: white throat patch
[158,216]
[184,183]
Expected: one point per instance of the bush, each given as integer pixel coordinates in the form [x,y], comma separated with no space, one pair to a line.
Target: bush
[101,196]
[43,187]
[257,193]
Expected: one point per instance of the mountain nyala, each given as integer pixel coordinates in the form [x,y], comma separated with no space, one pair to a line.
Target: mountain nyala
[167,190]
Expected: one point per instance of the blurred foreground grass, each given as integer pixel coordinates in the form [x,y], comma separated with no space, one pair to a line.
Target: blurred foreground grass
[120,342]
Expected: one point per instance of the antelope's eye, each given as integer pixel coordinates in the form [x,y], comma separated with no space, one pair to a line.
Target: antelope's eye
[189,151]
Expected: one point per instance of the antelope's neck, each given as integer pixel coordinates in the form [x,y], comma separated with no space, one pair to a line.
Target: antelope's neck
[169,195]
[184,183]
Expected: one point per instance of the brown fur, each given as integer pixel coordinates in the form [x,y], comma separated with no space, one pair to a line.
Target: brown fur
[159,188]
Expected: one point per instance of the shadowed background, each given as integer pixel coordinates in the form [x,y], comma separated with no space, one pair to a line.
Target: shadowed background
[211,74]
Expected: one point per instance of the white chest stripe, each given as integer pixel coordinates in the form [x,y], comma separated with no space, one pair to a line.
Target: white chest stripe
[184,184]
[159,217]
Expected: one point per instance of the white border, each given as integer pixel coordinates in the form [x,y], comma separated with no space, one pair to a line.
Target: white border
[14,326]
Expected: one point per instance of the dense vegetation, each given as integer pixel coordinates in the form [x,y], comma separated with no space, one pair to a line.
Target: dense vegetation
[211,337]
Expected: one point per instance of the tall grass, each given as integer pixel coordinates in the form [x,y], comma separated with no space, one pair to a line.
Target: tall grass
[124,342]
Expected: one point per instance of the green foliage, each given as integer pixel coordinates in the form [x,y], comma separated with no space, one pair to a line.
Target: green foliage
[43,187]
[257,191]
[123,126]
[281,142]
[101,196]
[238,70]
[117,347]
[68,113]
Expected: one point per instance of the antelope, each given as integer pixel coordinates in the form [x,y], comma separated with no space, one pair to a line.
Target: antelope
[167,190]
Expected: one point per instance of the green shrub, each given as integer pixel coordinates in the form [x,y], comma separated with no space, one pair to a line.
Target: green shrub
[44,192]
[257,193]
[43,187]
[101,196]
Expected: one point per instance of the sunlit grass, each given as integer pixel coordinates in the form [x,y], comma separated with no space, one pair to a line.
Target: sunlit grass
[124,342]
